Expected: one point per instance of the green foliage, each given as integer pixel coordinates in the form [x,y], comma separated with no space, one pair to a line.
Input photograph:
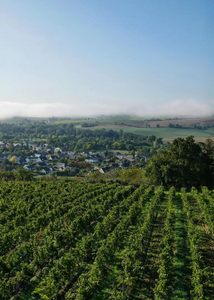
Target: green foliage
[131,176]
[66,135]
[23,175]
[19,174]
[163,290]
[77,240]
[94,177]
[185,164]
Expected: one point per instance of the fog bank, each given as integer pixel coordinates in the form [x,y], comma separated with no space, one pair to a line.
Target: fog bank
[173,108]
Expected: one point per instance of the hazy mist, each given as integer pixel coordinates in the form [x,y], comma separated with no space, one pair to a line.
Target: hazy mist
[174,108]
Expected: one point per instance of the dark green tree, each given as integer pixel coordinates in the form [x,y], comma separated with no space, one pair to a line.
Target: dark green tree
[185,164]
[22,174]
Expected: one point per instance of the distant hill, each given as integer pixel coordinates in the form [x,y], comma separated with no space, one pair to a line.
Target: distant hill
[185,122]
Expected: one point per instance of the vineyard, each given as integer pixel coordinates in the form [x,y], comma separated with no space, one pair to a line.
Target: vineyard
[80,241]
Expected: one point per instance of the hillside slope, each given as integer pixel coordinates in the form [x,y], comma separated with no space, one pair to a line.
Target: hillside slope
[105,241]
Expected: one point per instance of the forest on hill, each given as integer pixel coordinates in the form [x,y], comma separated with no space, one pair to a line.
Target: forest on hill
[75,139]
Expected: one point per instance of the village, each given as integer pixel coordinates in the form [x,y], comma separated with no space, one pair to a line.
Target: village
[41,159]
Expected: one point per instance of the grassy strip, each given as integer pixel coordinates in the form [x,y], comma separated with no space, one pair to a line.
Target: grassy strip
[147,280]
[193,236]
[181,261]
[163,288]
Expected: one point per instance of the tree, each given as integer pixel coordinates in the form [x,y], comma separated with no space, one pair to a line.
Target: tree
[131,176]
[185,164]
[95,177]
[208,147]
[5,161]
[132,152]
[22,174]
[13,159]
[151,138]
[157,142]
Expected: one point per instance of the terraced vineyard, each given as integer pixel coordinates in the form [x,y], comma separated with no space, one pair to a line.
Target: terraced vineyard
[105,241]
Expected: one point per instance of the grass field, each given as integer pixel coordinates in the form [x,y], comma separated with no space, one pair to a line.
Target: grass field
[166,133]
[185,122]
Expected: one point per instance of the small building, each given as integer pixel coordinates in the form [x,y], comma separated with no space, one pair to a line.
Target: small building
[53,157]
[42,164]
[92,160]
[29,168]
[60,166]
[105,169]
[21,161]
[31,159]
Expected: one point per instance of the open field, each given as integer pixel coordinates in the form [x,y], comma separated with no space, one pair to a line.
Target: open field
[70,121]
[142,122]
[187,122]
[101,121]
[138,126]
[166,133]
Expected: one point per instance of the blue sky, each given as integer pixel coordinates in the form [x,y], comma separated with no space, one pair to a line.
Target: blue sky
[81,57]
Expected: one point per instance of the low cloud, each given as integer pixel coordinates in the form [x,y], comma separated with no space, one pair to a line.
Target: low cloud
[182,108]
[172,108]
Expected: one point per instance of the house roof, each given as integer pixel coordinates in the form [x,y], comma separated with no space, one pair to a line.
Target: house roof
[31,168]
